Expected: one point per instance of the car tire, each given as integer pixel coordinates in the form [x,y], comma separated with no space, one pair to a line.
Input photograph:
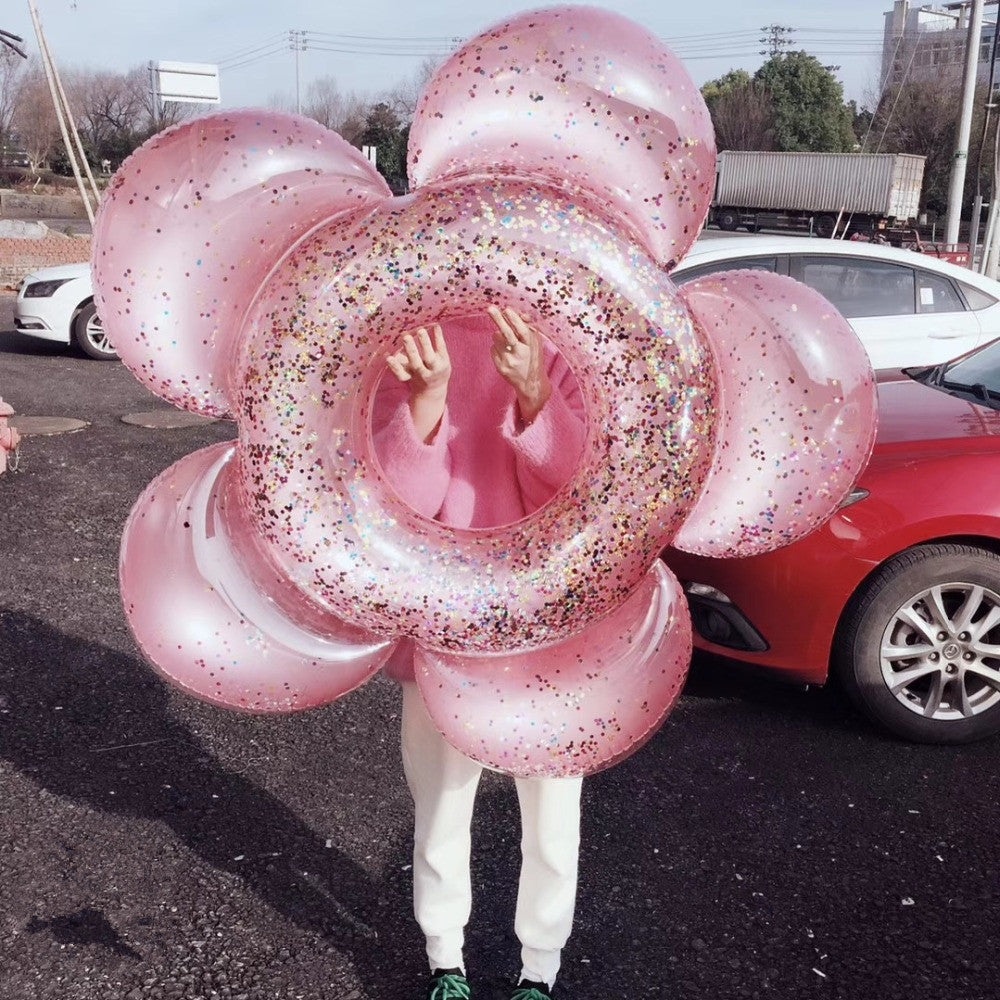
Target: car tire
[89,335]
[728,219]
[943,600]
[825,225]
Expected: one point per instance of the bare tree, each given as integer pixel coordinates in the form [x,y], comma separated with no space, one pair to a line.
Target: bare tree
[11,68]
[742,111]
[170,113]
[115,112]
[355,119]
[743,118]
[405,95]
[325,102]
[280,100]
[110,115]
[345,113]
[34,118]
[920,118]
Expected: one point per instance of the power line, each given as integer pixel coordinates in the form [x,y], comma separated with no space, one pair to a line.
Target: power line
[252,47]
[388,38]
[838,41]
[256,59]
[374,52]
[736,44]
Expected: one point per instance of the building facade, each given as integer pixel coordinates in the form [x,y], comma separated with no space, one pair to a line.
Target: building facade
[922,43]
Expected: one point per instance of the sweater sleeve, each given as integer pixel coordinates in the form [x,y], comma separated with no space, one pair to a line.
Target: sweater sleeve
[419,472]
[548,450]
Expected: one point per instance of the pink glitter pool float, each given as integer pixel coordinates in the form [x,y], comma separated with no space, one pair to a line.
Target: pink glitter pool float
[253,265]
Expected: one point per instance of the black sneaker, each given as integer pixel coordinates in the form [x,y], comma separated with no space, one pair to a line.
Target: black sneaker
[527,990]
[448,984]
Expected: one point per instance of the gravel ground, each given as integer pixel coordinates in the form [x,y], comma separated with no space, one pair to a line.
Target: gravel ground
[767,843]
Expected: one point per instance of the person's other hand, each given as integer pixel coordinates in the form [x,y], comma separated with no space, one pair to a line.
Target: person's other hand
[518,355]
[424,364]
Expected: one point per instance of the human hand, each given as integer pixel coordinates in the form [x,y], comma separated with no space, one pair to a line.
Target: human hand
[519,358]
[426,366]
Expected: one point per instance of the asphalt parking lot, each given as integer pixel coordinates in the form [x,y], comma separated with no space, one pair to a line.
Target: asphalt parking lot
[766,843]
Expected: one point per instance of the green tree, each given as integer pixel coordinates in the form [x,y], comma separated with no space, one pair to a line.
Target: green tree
[809,110]
[735,79]
[861,120]
[382,130]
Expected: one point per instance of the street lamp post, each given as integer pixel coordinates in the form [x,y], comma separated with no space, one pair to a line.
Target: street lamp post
[960,162]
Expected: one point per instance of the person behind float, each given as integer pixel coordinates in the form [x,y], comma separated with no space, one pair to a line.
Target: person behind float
[479,428]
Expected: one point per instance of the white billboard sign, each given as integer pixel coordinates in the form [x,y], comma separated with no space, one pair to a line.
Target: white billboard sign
[189,83]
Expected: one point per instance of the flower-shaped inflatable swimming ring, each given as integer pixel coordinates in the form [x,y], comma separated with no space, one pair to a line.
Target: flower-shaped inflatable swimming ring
[254,265]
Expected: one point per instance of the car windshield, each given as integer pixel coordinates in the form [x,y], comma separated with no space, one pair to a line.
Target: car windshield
[976,375]
[980,368]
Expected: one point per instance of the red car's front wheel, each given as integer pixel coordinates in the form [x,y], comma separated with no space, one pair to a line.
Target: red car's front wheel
[918,649]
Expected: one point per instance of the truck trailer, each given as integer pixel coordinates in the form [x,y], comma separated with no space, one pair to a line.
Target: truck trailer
[825,193]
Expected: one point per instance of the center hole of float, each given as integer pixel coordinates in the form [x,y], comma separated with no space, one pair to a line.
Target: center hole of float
[487,479]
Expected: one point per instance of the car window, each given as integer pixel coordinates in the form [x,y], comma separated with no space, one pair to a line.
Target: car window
[718,266]
[937,294]
[976,297]
[860,287]
[981,367]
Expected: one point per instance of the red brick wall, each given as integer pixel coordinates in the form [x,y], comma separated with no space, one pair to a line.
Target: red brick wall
[19,257]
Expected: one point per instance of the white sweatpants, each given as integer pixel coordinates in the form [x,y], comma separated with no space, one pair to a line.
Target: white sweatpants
[443,784]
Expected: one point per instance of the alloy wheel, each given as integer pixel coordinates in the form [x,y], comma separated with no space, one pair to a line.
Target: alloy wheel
[940,652]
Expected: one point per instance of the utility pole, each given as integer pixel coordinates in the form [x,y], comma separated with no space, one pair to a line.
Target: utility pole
[777,38]
[960,162]
[67,126]
[297,41]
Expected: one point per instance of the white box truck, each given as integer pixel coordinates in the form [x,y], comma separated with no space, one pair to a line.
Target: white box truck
[758,190]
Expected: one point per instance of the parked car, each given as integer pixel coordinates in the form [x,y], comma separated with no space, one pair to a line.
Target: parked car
[57,303]
[906,308]
[899,594]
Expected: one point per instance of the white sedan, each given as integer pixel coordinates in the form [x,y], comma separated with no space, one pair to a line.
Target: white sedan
[907,308]
[57,303]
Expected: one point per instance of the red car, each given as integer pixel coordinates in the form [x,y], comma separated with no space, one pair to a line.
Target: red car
[899,593]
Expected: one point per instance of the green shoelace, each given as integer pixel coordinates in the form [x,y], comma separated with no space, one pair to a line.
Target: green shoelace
[450,987]
[530,994]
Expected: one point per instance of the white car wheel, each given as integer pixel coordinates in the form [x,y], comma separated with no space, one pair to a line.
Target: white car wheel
[88,332]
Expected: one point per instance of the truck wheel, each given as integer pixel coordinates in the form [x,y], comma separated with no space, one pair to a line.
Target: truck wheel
[825,226]
[728,219]
[919,647]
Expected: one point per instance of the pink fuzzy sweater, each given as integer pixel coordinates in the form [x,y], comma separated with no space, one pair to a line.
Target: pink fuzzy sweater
[482,468]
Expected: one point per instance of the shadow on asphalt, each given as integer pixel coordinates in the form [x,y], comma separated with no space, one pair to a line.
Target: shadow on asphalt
[110,700]
[824,707]
[87,926]
[12,342]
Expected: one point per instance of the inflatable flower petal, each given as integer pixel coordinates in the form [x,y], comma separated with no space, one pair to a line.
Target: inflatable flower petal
[253,264]
[211,612]
[190,227]
[797,413]
[583,99]
[572,708]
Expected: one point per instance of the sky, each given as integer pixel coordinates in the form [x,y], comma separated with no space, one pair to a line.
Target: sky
[369,45]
